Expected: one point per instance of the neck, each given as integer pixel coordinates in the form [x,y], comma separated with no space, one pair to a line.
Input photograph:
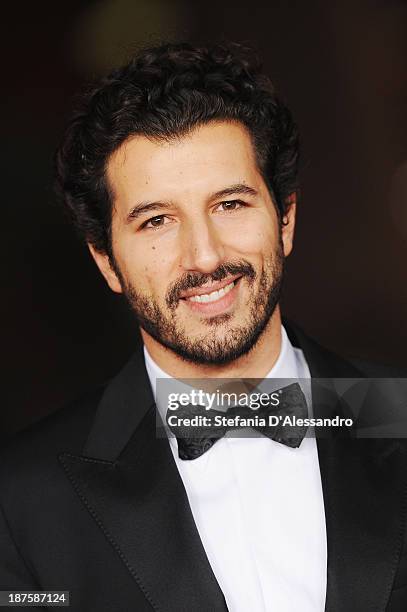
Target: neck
[255,364]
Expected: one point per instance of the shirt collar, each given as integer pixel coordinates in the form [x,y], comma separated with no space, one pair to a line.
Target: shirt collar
[286,366]
[290,364]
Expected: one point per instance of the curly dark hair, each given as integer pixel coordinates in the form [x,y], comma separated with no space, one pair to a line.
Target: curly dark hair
[164,92]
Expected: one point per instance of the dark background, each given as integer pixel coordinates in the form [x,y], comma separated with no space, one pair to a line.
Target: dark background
[341,65]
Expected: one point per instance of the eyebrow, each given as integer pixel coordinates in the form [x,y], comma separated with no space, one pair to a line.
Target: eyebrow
[146,207]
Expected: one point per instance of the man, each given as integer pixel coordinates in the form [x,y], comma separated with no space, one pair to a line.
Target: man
[180,172]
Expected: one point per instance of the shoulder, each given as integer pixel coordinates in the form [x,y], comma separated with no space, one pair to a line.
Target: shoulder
[66,429]
[324,363]
[32,482]
[378,370]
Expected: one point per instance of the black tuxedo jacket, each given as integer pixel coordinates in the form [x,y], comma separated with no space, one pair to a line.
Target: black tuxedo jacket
[92,502]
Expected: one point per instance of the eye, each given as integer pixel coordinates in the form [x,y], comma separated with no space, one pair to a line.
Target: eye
[230,205]
[154,222]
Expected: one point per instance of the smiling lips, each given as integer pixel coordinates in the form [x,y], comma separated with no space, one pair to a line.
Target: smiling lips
[213,296]
[211,301]
[216,290]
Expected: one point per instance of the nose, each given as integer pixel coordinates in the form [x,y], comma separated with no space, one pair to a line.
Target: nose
[202,247]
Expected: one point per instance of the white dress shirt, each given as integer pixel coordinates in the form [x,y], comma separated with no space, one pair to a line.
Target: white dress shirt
[259,511]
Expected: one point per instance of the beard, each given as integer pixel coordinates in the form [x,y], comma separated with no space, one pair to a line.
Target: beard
[224,341]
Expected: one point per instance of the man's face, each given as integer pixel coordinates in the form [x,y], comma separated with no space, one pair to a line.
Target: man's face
[196,240]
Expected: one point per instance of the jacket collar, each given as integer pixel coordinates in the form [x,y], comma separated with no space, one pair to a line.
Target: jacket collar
[128,481]
[128,397]
[364,484]
[125,402]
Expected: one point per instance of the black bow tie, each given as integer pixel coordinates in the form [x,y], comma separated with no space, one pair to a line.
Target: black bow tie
[195,440]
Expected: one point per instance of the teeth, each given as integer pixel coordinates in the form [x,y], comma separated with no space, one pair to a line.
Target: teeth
[214,295]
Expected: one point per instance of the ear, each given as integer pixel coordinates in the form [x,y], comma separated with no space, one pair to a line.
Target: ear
[103,263]
[288,223]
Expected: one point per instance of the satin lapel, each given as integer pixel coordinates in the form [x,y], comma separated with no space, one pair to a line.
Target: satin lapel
[365,497]
[365,510]
[138,500]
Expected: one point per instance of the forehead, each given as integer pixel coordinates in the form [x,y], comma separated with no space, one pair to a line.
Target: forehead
[209,158]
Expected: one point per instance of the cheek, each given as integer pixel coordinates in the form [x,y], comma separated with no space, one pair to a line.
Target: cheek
[255,238]
[145,267]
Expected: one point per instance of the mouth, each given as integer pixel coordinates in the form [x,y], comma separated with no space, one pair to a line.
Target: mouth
[215,299]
